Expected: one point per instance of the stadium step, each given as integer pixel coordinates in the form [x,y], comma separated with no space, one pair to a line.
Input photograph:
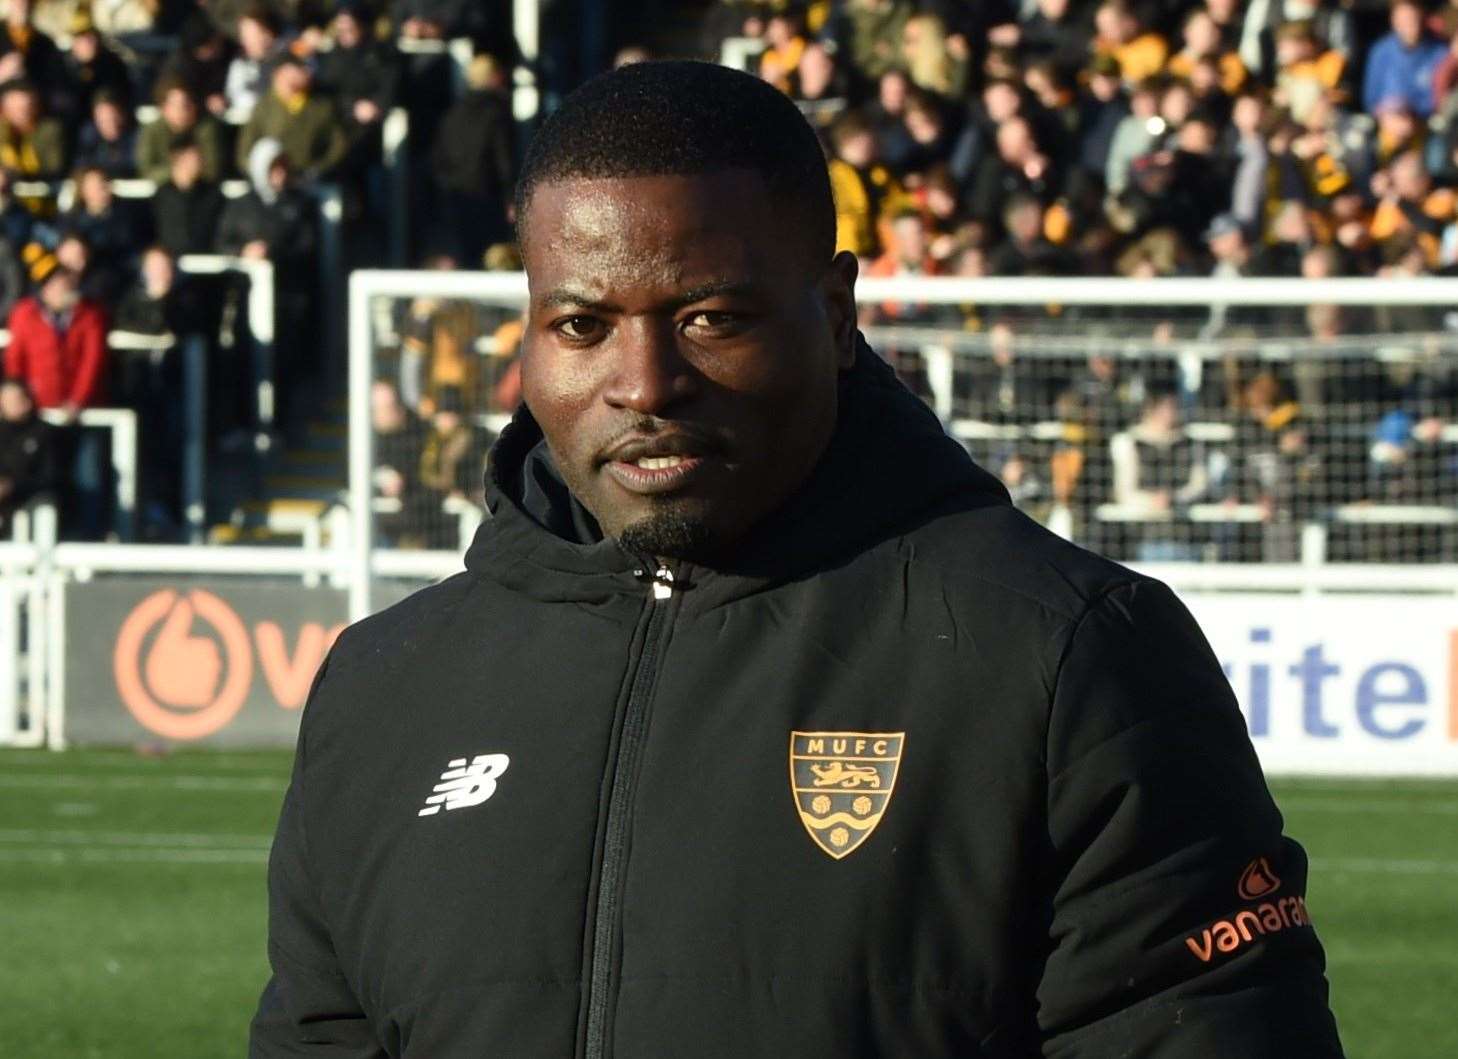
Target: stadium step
[302,487]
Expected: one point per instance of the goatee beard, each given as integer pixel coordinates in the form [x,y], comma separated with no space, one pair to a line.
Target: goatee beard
[668,535]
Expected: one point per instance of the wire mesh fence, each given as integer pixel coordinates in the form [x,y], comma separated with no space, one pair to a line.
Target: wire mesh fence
[1253,422]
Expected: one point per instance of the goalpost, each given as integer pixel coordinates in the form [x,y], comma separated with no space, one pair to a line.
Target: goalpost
[1372,365]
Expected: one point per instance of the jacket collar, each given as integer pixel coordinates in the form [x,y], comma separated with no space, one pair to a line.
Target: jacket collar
[889,468]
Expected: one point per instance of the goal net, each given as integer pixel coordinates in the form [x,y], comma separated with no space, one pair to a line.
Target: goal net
[1216,421]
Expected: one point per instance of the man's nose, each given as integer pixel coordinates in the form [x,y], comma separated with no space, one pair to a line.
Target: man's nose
[650,373]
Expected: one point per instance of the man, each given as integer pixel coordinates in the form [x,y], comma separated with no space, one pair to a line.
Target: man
[542,809]
[1402,64]
[1158,470]
[304,123]
[186,208]
[473,165]
[274,221]
[58,349]
[399,442]
[258,46]
[114,228]
[1119,32]
[179,120]
[362,74]
[89,67]
[57,339]
[32,146]
[109,140]
[28,452]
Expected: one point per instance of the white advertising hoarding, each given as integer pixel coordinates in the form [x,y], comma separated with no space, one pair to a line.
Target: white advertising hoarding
[1351,685]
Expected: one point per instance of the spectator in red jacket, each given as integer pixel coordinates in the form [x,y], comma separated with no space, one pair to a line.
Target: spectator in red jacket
[57,339]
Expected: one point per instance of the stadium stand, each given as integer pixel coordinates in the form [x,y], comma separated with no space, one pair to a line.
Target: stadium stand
[213,173]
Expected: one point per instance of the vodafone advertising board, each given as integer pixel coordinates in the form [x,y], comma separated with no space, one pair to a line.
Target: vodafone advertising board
[1341,685]
[194,661]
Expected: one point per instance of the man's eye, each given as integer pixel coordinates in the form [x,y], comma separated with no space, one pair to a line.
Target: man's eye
[578,328]
[712,321]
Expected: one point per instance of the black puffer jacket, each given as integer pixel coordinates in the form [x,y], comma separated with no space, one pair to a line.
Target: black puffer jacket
[914,779]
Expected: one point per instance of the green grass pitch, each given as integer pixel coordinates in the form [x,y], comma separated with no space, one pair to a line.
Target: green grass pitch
[132,903]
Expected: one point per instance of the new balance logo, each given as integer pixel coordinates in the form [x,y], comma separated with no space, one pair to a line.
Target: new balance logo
[463,785]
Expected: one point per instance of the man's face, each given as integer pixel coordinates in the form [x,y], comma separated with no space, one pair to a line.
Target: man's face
[255,38]
[816,70]
[858,150]
[1407,23]
[18,107]
[290,80]
[157,272]
[681,352]
[178,110]
[1409,177]
[1202,36]
[1163,415]
[347,31]
[1025,222]
[1014,141]
[58,294]
[108,119]
[95,191]
[1227,246]
[386,413]
[186,167]
[892,91]
[84,47]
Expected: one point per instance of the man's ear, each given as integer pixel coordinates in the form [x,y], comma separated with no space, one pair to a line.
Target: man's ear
[838,287]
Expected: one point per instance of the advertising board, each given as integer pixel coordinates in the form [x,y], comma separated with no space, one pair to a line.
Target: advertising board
[194,660]
[1346,685]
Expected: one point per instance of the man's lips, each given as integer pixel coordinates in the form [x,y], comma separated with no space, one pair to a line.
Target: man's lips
[654,475]
[658,464]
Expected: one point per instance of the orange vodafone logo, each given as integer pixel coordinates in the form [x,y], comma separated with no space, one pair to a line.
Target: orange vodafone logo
[184,662]
[185,688]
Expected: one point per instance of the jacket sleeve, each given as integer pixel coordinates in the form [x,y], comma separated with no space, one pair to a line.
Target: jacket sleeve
[15,361]
[90,333]
[1177,914]
[307,1008]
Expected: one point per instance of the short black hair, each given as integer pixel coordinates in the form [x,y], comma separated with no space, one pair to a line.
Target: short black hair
[685,118]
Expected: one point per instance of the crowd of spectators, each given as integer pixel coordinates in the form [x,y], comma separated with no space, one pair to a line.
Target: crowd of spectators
[222,118]
[1042,138]
[1225,138]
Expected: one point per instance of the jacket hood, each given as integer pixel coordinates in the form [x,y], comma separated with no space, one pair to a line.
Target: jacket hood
[260,160]
[888,468]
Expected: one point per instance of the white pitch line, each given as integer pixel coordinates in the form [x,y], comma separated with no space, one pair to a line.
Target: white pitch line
[181,782]
[133,856]
[45,759]
[164,839]
[1368,805]
[1383,866]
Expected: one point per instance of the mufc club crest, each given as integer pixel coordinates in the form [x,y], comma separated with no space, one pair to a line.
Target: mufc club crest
[842,783]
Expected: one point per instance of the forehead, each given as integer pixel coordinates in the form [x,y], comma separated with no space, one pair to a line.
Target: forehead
[652,230]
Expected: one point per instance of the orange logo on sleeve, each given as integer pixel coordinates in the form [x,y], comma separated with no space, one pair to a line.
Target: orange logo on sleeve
[181,685]
[1257,880]
[1272,915]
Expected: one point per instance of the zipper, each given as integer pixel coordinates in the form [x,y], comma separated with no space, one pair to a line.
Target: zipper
[600,985]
